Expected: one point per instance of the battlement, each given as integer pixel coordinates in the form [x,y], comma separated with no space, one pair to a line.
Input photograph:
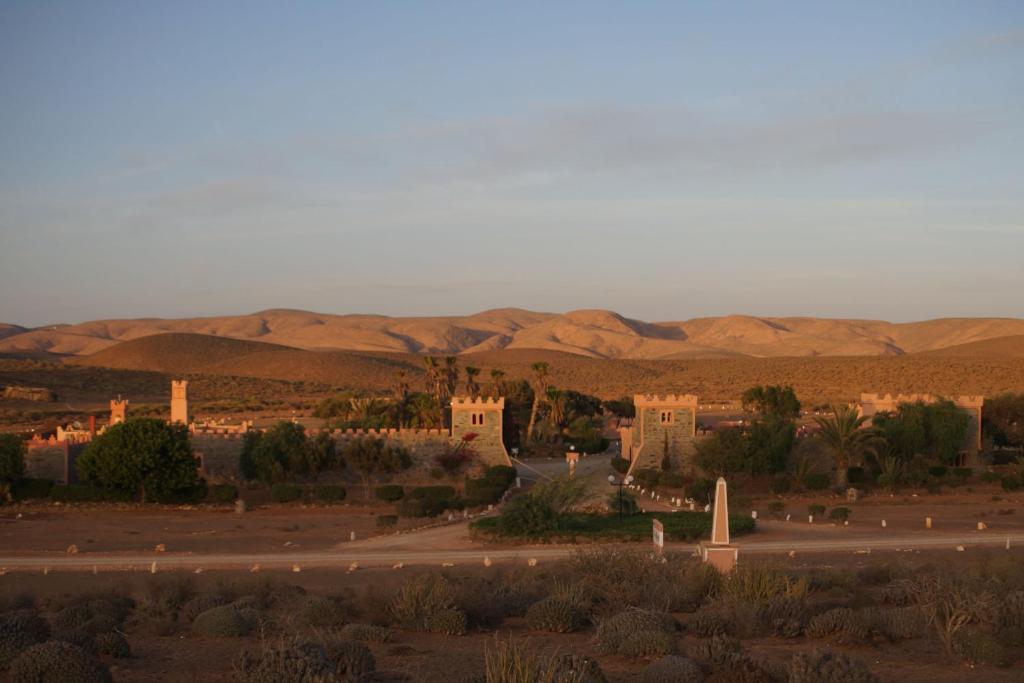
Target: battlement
[964,401]
[666,401]
[388,433]
[488,403]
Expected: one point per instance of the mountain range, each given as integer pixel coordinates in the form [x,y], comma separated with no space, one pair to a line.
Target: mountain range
[590,333]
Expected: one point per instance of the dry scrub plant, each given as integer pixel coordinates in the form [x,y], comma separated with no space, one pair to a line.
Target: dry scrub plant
[949,604]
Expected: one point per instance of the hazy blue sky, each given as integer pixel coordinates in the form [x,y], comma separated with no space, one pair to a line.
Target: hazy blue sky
[666,160]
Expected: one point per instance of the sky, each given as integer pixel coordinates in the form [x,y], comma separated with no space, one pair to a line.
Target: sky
[664,160]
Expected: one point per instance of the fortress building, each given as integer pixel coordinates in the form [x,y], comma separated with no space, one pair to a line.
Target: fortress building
[483,417]
[118,410]
[871,404]
[664,425]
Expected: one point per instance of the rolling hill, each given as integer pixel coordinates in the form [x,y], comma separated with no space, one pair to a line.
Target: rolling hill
[589,333]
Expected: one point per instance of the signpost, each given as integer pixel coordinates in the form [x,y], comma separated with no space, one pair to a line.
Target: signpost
[659,537]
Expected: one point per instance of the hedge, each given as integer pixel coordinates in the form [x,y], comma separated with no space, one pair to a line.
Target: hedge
[285,493]
[432,493]
[390,493]
[225,493]
[484,491]
[83,493]
[329,493]
[679,526]
[501,473]
[27,488]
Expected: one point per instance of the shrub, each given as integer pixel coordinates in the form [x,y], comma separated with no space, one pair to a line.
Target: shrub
[828,667]
[484,491]
[938,471]
[420,599]
[673,669]
[673,480]
[72,616]
[83,493]
[855,476]
[113,645]
[450,622]
[620,465]
[718,650]
[224,493]
[991,477]
[816,510]
[776,507]
[976,646]
[962,472]
[329,493]
[647,644]
[166,593]
[321,612]
[390,493]
[501,473]
[875,575]
[897,623]
[783,616]
[647,477]
[700,490]
[57,662]
[289,660]
[816,481]
[79,638]
[255,618]
[199,604]
[508,661]
[386,521]
[285,493]
[709,622]
[841,621]
[749,584]
[614,631]
[556,614]
[225,621]
[780,483]
[29,488]
[19,631]
[367,632]
[351,659]
[839,514]
[1010,482]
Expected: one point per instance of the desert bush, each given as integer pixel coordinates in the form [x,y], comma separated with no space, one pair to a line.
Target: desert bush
[290,659]
[978,647]
[620,465]
[224,493]
[718,650]
[329,493]
[709,622]
[367,632]
[816,509]
[508,662]
[897,623]
[839,514]
[321,612]
[673,669]
[427,603]
[285,493]
[72,616]
[828,667]
[256,619]
[647,644]
[351,659]
[390,493]
[57,662]
[224,621]
[199,604]
[166,593]
[840,621]
[113,645]
[78,637]
[875,575]
[753,583]
[614,631]
[557,615]
[783,616]
[19,631]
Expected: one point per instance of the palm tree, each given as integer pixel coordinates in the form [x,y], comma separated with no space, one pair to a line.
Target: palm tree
[434,385]
[401,396]
[556,401]
[424,411]
[844,434]
[540,377]
[450,375]
[472,388]
[498,382]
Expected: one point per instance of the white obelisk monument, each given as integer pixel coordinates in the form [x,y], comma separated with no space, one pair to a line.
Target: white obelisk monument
[718,553]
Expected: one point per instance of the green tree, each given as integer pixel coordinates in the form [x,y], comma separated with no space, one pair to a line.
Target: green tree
[847,439]
[143,457]
[723,453]
[274,454]
[374,457]
[12,462]
[772,401]
[498,382]
[1004,420]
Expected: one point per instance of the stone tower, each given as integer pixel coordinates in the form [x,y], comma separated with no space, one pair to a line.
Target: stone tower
[179,401]
[483,417]
[118,411]
[663,424]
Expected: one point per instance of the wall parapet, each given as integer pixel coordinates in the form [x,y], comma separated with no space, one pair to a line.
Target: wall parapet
[963,400]
[665,401]
[488,402]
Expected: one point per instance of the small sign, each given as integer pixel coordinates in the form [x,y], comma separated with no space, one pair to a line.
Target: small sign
[659,536]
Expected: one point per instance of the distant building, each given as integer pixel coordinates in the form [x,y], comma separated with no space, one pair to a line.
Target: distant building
[179,402]
[664,425]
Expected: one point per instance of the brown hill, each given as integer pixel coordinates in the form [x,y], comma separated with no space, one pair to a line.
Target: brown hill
[590,333]
[1001,347]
